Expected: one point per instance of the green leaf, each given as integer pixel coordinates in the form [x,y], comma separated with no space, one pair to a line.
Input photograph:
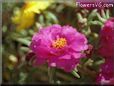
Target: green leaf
[83,60]
[23,41]
[79,16]
[103,14]
[95,23]
[100,18]
[92,14]
[4,28]
[52,17]
[99,62]
[74,72]
[107,13]
[24,49]
[22,77]
[41,19]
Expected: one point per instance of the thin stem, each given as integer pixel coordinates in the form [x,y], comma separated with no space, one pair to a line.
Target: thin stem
[51,75]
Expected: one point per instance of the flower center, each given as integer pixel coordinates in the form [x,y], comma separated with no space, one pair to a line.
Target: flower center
[59,43]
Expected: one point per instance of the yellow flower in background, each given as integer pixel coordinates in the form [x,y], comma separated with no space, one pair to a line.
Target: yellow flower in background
[23,20]
[36,6]
[25,17]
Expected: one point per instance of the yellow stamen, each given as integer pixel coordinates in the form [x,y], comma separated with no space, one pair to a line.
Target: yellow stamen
[59,43]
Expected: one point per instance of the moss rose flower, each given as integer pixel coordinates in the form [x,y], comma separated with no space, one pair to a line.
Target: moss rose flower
[107,39]
[106,72]
[60,47]
[106,50]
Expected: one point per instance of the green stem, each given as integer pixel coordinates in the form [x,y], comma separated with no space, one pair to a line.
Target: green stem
[51,73]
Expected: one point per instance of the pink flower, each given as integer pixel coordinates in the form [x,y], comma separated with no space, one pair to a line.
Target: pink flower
[111,81]
[59,46]
[106,50]
[107,39]
[106,72]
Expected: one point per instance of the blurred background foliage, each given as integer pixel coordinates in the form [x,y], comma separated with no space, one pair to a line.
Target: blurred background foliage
[20,20]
